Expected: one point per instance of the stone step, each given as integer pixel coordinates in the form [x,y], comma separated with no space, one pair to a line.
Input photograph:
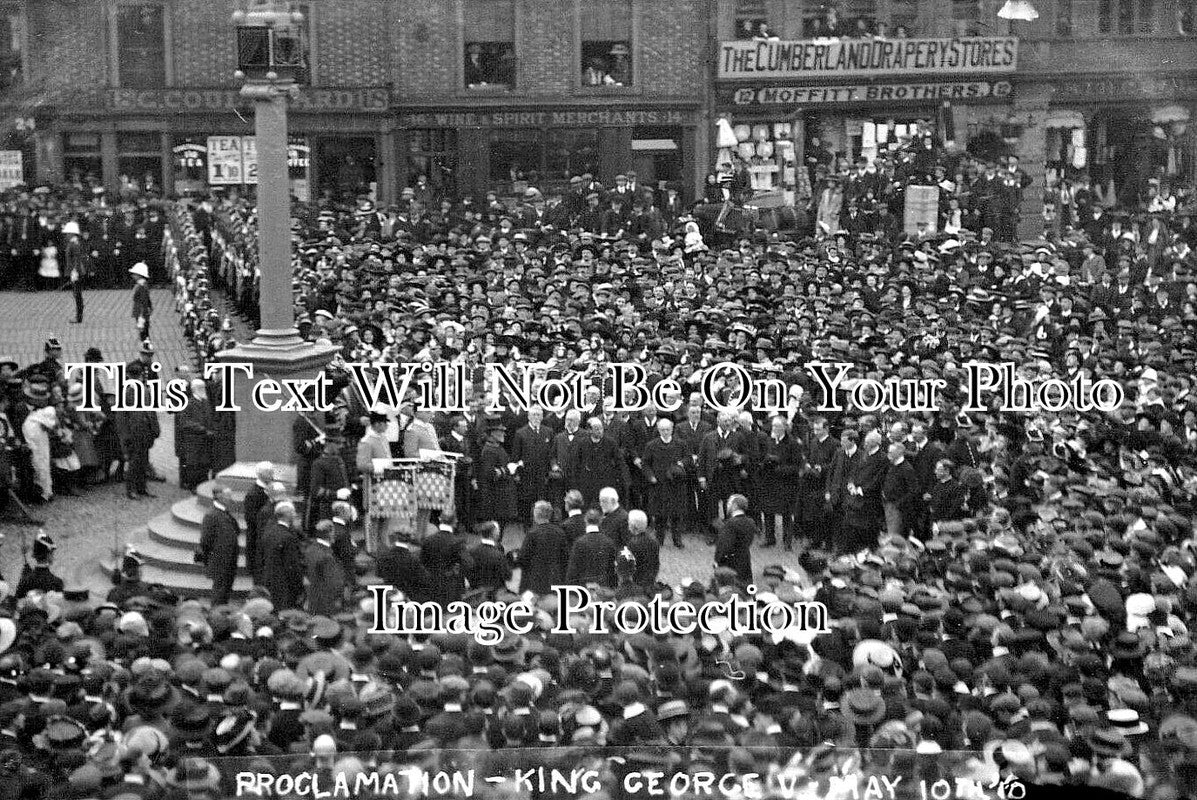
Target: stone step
[168,530]
[175,558]
[164,566]
[188,512]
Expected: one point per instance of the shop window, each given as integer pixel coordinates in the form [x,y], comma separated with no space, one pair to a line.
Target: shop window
[12,45]
[1105,16]
[1135,16]
[81,159]
[1186,18]
[139,160]
[903,18]
[433,152]
[516,156]
[571,152]
[606,42]
[1064,17]
[189,164]
[489,37]
[860,18]
[966,18]
[751,18]
[141,44]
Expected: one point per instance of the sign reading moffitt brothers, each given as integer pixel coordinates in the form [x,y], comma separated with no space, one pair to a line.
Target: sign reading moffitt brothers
[869,93]
[748,60]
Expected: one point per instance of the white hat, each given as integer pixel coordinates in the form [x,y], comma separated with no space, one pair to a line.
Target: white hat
[71,227]
[140,269]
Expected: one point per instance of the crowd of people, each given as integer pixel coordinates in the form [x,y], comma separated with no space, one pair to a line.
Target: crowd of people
[1011,594]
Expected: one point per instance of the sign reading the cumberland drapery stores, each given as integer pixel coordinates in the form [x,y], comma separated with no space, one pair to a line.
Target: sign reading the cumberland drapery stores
[841,58]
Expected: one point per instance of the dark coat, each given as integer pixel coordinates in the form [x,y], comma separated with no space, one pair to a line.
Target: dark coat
[282,565]
[326,580]
[345,550]
[733,548]
[721,460]
[865,510]
[615,527]
[193,433]
[901,488]
[535,449]
[592,560]
[777,478]
[486,566]
[597,465]
[219,547]
[648,559]
[947,500]
[441,554]
[666,469]
[544,558]
[496,498]
[402,568]
[574,527]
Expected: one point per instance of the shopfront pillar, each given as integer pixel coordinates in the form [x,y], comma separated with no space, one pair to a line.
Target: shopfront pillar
[109,163]
[1029,110]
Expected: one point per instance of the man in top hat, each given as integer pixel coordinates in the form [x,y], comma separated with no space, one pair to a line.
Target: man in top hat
[219,546]
[255,500]
[38,577]
[143,306]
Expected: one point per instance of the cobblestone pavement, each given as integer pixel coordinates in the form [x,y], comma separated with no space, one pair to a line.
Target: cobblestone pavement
[88,529]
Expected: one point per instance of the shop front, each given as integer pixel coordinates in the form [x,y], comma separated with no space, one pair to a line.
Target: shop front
[187,142]
[1126,135]
[473,151]
[819,103]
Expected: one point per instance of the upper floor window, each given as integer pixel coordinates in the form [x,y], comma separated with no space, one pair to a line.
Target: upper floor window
[141,44]
[489,44]
[1126,17]
[1186,18]
[860,18]
[12,44]
[751,19]
[966,17]
[1063,17]
[606,43]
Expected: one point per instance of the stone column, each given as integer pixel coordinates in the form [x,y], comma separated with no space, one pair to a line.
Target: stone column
[1030,108]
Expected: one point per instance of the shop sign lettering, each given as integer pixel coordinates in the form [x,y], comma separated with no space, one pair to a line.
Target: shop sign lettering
[533,119]
[199,100]
[834,58]
[870,93]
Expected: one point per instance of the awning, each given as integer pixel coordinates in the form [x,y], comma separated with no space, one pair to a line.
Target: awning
[1061,118]
[1167,114]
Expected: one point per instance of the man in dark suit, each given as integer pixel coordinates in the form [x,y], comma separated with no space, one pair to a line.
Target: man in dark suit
[777,481]
[614,524]
[255,500]
[442,556]
[863,505]
[900,492]
[400,566]
[574,523]
[946,497]
[560,480]
[592,559]
[842,466]
[734,546]
[645,549]
[344,548]
[597,463]
[486,565]
[496,483]
[325,577]
[458,441]
[143,306]
[721,463]
[544,555]
[532,448]
[282,558]
[813,520]
[690,433]
[219,546]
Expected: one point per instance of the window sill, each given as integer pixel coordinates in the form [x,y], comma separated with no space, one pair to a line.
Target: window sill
[488,89]
[608,90]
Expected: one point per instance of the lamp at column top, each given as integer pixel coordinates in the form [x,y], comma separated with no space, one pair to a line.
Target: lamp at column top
[1020,10]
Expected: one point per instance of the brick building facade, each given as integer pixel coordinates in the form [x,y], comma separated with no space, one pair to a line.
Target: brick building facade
[476,94]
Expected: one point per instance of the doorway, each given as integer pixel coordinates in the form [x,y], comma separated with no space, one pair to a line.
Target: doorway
[345,167]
